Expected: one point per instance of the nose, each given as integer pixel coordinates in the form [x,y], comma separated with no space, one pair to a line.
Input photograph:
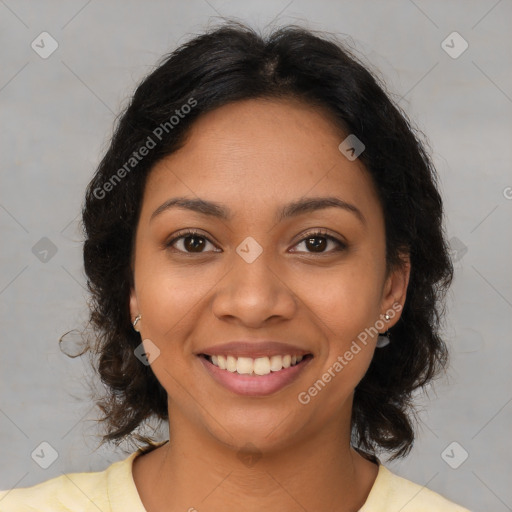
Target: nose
[254,294]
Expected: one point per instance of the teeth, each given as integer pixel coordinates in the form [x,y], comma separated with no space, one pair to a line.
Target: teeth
[258,366]
[276,363]
[244,365]
[231,364]
[261,366]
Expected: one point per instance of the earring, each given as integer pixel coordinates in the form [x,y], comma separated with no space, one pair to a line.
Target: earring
[383,339]
[137,318]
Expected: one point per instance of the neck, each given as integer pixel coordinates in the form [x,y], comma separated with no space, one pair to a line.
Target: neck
[196,471]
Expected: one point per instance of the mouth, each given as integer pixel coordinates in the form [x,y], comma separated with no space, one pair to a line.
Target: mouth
[255,366]
[258,376]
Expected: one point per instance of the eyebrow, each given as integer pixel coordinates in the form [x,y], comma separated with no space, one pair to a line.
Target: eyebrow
[299,207]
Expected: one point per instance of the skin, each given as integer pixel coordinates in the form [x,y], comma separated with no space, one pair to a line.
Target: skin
[254,156]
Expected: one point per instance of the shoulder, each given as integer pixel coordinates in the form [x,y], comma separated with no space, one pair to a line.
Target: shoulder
[84,492]
[391,492]
[68,492]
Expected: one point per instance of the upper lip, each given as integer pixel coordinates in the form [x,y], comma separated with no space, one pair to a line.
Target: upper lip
[253,349]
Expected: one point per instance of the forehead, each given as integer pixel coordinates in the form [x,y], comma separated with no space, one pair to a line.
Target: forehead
[253,154]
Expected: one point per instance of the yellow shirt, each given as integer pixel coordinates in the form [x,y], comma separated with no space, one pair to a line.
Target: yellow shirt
[114,490]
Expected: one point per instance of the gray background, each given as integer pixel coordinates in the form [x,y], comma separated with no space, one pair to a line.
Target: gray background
[57,116]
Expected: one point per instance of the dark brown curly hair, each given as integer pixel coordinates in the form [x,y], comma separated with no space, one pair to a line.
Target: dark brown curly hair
[233,62]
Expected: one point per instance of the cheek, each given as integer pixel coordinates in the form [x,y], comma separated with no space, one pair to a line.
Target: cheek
[346,305]
[171,298]
[171,301]
[347,298]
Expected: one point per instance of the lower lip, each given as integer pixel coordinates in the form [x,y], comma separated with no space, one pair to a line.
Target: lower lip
[255,385]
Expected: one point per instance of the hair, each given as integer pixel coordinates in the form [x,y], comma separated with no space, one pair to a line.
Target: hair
[223,65]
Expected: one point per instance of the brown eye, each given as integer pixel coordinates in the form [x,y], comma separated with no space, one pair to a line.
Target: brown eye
[190,242]
[194,243]
[318,242]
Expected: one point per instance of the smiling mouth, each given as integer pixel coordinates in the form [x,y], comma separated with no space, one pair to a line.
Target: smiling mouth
[253,367]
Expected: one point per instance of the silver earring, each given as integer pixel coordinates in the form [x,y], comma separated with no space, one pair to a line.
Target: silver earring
[137,318]
[383,339]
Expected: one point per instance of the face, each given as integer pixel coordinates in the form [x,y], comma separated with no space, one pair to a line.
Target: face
[267,262]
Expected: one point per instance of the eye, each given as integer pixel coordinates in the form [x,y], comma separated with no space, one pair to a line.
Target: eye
[192,242]
[317,242]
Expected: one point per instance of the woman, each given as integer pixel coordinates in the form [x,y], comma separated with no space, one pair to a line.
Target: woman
[265,253]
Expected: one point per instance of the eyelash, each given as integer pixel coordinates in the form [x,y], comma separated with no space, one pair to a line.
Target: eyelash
[315,234]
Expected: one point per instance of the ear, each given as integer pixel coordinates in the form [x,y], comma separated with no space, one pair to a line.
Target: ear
[134,306]
[395,289]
